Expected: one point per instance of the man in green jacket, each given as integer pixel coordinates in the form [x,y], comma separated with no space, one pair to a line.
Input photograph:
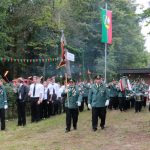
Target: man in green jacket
[113,95]
[97,101]
[3,104]
[73,100]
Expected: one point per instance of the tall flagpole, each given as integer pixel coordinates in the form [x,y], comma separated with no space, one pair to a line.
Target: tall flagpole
[105,54]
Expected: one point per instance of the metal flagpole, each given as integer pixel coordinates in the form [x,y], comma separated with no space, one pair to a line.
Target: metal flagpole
[106,54]
[105,62]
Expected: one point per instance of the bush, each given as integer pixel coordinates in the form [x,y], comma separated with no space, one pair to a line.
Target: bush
[11,98]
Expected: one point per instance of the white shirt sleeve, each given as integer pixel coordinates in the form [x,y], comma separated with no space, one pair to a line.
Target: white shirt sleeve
[41,90]
[31,90]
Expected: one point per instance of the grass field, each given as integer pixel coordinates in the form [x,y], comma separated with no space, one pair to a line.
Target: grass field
[124,131]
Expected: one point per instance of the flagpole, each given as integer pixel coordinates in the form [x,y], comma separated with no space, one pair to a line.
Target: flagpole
[105,54]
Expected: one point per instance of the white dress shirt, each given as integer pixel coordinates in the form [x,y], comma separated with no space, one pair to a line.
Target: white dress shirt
[45,92]
[39,90]
[53,86]
[19,91]
[61,90]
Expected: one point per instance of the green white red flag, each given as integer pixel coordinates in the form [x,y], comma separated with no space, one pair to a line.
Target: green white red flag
[106,26]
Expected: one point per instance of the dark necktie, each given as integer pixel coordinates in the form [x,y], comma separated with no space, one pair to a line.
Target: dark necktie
[34,89]
[53,91]
[19,89]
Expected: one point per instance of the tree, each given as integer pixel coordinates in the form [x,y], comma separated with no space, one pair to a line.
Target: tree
[32,29]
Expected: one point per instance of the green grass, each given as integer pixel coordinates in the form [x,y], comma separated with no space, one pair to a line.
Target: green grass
[124,131]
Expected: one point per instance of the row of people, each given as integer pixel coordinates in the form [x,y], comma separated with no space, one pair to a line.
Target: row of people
[48,97]
[51,98]
[136,97]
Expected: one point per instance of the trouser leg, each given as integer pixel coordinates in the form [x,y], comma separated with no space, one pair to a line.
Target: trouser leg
[94,117]
[102,116]
[75,114]
[19,114]
[68,119]
[23,113]
[2,117]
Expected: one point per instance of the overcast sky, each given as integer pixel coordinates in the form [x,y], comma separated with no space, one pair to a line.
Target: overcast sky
[143,5]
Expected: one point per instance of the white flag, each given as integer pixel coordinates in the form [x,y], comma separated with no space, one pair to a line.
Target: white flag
[70,56]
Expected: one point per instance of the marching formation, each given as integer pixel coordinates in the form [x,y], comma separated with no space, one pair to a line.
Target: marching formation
[49,98]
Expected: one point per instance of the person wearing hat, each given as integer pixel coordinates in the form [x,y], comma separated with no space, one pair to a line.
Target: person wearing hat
[3,104]
[81,86]
[86,88]
[72,101]
[22,95]
[97,101]
[138,90]
[113,95]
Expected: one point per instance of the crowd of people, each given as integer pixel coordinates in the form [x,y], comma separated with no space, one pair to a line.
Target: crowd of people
[49,98]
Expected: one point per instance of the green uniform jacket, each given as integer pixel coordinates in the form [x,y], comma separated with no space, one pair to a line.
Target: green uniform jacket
[3,97]
[145,89]
[98,95]
[85,90]
[72,97]
[113,91]
[138,89]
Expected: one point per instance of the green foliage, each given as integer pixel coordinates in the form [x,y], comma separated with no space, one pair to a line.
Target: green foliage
[127,50]
[32,29]
[11,98]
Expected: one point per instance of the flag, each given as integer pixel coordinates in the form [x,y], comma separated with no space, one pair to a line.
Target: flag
[129,85]
[63,58]
[121,85]
[106,26]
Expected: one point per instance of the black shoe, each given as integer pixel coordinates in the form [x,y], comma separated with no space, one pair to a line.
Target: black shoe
[95,129]
[75,128]
[102,127]
[66,131]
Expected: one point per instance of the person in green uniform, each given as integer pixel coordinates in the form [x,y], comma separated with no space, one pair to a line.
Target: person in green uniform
[98,99]
[3,104]
[138,89]
[113,95]
[86,88]
[145,92]
[72,102]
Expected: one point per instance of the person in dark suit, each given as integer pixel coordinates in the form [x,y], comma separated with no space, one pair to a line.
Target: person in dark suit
[22,93]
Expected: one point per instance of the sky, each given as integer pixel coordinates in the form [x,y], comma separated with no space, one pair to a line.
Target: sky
[143,5]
